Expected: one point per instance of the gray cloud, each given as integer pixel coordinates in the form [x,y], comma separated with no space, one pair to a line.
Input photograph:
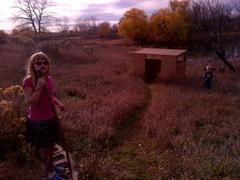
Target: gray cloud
[96,8]
[100,11]
[125,4]
[137,3]
[101,16]
[68,9]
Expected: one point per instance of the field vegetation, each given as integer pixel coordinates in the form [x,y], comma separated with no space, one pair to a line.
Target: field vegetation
[117,125]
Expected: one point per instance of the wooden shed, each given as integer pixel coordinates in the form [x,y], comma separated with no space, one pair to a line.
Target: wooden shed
[163,63]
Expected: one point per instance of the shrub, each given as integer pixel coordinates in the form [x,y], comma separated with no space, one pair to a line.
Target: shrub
[51,48]
[3,37]
[12,122]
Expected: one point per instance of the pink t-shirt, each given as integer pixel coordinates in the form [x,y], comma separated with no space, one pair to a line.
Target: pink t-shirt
[42,110]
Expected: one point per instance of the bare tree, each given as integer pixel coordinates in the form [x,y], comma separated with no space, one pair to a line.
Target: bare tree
[177,5]
[236,5]
[63,24]
[92,23]
[34,13]
[236,17]
[211,19]
[87,24]
[80,25]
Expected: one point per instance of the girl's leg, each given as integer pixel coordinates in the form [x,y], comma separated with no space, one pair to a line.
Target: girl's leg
[48,154]
[51,174]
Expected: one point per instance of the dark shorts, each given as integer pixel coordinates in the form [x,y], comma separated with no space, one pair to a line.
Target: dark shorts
[42,134]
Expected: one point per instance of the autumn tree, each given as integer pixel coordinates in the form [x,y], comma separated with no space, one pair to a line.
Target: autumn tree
[177,28]
[34,13]
[134,25]
[170,25]
[158,25]
[104,28]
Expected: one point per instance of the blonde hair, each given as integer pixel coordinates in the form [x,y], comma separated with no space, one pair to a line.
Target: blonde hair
[209,68]
[30,71]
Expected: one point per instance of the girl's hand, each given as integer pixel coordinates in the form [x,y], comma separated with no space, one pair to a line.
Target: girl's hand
[61,107]
[41,82]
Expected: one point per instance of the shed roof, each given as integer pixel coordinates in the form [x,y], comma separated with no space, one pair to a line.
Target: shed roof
[163,52]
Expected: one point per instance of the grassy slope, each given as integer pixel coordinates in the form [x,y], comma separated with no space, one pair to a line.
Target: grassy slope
[183,131]
[186,132]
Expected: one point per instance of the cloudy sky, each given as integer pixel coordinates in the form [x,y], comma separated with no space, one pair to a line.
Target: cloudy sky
[103,10]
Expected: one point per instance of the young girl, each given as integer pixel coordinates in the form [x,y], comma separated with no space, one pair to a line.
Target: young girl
[39,93]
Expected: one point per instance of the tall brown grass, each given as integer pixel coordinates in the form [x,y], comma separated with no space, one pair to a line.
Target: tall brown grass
[199,128]
[186,132]
[97,89]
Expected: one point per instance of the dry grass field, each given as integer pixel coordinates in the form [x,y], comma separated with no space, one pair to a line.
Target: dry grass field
[120,127]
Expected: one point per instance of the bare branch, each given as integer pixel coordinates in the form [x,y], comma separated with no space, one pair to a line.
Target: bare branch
[34,13]
[211,19]
[236,5]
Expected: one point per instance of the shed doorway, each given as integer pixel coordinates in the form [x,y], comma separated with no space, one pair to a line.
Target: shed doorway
[152,68]
[166,64]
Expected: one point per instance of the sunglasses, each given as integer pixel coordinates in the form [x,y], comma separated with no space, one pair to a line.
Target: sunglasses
[39,63]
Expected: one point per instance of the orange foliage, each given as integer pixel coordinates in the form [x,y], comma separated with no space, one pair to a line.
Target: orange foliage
[6,110]
[168,27]
[134,25]
[159,25]
[12,99]
[14,90]
[104,28]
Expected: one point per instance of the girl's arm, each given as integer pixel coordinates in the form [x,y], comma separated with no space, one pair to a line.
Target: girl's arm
[32,95]
[60,106]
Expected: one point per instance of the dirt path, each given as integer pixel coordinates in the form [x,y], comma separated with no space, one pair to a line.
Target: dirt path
[134,158]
